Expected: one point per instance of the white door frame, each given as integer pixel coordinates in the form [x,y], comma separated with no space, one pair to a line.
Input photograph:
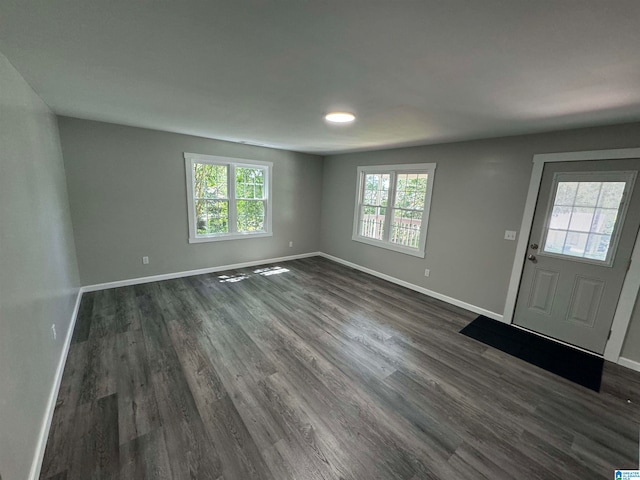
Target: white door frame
[631,283]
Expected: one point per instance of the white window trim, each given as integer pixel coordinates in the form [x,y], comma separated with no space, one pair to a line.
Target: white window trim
[430,169]
[189,160]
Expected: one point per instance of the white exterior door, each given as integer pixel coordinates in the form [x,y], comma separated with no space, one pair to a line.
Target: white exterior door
[582,236]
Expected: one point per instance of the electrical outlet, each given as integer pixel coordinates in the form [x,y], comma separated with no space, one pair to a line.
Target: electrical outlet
[510,234]
[290,244]
[426,272]
[53,331]
[145,260]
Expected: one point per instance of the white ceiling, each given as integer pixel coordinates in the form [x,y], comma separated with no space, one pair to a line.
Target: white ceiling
[264,72]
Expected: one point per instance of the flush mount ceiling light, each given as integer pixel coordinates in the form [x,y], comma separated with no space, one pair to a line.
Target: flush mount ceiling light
[339,117]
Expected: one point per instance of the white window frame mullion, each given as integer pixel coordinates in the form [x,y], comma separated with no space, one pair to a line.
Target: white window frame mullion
[231,188]
[359,203]
[390,207]
[191,195]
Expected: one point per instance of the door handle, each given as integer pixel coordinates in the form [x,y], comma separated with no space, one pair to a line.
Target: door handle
[533,246]
[531,257]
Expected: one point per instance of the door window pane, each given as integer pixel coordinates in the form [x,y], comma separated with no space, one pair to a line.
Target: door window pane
[597,247]
[582,219]
[555,241]
[604,220]
[611,194]
[575,244]
[560,218]
[566,193]
[588,193]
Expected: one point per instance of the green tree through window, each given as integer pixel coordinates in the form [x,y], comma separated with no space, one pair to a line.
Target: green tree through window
[250,199]
[228,199]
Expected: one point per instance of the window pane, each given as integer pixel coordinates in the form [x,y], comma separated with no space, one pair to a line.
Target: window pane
[583,218]
[411,189]
[566,193]
[212,216]
[210,181]
[376,189]
[560,218]
[588,193]
[575,244]
[597,247]
[250,215]
[371,222]
[604,220]
[405,228]
[555,241]
[611,194]
[247,179]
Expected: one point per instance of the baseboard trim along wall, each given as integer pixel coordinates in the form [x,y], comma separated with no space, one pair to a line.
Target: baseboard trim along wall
[234,266]
[632,364]
[189,273]
[37,461]
[36,466]
[417,288]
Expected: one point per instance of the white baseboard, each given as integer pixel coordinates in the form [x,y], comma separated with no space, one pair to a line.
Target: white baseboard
[417,288]
[36,465]
[632,364]
[221,268]
[189,273]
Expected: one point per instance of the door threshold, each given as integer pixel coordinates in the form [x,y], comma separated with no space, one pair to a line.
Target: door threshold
[558,341]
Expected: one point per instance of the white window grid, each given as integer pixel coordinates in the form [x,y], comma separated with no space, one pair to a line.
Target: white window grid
[628,177]
[231,164]
[382,231]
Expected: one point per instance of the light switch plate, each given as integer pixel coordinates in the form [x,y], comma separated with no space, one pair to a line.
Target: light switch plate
[510,234]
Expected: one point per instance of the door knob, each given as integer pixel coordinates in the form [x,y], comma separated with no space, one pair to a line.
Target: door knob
[531,257]
[533,246]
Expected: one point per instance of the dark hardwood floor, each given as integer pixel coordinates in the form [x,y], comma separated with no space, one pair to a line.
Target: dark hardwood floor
[311,370]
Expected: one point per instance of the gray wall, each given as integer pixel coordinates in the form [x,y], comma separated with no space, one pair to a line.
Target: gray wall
[38,272]
[479,192]
[128,198]
[631,347]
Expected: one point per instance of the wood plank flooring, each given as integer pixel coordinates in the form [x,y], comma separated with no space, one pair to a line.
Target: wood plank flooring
[311,370]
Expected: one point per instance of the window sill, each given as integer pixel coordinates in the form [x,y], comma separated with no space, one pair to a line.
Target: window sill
[389,246]
[229,236]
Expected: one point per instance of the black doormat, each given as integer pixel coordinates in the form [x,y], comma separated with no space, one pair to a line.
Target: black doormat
[572,364]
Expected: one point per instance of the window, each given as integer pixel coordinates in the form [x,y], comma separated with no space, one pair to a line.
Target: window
[585,214]
[228,198]
[392,206]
